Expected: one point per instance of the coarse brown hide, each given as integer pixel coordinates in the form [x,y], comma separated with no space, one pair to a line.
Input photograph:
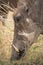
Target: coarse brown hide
[28,25]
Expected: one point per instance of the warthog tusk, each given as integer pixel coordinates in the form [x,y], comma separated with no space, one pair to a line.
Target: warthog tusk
[17,50]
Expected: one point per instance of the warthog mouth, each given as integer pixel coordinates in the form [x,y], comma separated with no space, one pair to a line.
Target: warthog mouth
[18,53]
[21,53]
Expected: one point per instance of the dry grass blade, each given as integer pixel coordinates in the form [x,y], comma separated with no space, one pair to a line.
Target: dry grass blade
[6,5]
[2,13]
[10,8]
[2,2]
[3,9]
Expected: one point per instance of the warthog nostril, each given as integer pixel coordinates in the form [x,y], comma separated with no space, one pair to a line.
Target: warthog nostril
[21,53]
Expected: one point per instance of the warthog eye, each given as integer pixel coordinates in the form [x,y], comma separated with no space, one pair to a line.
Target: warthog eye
[17,18]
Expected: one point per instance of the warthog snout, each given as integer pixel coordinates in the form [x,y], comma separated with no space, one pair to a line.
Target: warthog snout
[17,55]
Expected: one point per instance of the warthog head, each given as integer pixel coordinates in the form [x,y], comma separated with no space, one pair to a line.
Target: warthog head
[26,30]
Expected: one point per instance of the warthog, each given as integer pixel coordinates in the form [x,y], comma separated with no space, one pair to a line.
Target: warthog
[28,25]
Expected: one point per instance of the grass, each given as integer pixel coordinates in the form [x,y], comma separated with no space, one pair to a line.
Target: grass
[34,55]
